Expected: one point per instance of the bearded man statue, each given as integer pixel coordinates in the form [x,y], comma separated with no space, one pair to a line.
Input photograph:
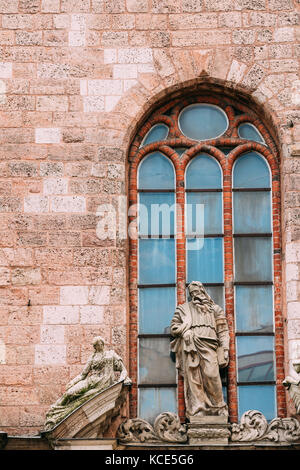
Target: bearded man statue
[201,345]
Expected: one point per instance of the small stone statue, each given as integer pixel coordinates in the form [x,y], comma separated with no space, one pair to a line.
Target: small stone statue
[293,385]
[97,375]
[201,345]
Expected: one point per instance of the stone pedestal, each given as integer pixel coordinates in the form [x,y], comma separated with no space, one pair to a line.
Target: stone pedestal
[208,430]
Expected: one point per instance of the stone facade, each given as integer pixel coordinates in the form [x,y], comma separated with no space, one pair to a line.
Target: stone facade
[77,78]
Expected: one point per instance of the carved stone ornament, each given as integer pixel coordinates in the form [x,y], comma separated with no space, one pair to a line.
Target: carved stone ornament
[254,427]
[166,428]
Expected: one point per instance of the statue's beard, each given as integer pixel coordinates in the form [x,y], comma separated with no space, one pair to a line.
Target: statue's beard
[201,300]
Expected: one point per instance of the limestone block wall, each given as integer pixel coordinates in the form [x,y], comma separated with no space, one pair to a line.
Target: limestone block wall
[76,78]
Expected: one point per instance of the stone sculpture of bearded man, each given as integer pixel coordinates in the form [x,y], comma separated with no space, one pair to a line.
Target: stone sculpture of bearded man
[201,345]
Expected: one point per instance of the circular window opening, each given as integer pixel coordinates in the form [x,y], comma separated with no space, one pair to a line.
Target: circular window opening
[203,121]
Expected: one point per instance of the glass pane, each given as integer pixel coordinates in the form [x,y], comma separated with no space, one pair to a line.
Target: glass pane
[205,263]
[257,397]
[156,213]
[249,131]
[180,151]
[252,212]
[156,308]
[156,172]
[255,358]
[157,261]
[156,133]
[217,294]
[254,308]
[202,121]
[155,363]
[213,223]
[153,401]
[203,172]
[251,171]
[253,259]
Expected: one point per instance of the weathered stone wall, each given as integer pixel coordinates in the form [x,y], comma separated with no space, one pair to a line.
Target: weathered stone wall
[76,77]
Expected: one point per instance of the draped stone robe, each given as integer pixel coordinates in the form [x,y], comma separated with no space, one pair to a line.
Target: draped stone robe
[197,361]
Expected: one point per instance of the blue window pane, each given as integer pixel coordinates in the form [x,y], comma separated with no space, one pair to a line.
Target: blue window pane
[249,132]
[155,363]
[203,121]
[156,172]
[156,133]
[212,203]
[251,171]
[257,397]
[153,401]
[252,212]
[203,172]
[253,259]
[255,358]
[156,308]
[205,259]
[156,213]
[254,308]
[157,261]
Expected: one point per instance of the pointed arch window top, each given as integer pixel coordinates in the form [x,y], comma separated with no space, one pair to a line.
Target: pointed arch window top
[203,121]
[156,172]
[203,172]
[251,171]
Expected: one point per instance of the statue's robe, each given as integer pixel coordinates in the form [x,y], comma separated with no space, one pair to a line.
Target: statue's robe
[197,361]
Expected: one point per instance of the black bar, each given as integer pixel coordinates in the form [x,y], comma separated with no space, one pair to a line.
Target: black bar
[155,285]
[156,190]
[205,235]
[155,237]
[236,235]
[156,385]
[198,190]
[263,382]
[250,189]
[255,283]
[242,333]
[159,335]
[209,284]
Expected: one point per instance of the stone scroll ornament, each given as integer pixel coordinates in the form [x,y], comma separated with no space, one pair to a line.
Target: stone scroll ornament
[255,427]
[293,385]
[166,428]
[98,374]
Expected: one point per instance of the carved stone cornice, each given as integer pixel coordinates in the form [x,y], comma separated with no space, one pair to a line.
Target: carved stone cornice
[255,427]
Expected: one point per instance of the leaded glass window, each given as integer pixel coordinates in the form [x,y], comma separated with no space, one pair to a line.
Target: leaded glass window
[205,179]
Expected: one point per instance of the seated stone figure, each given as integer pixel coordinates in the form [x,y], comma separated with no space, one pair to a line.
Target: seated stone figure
[98,374]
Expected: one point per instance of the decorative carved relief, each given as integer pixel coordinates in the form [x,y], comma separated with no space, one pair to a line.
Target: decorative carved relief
[167,428]
[254,427]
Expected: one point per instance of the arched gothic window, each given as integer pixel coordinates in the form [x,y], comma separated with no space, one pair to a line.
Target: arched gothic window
[204,177]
